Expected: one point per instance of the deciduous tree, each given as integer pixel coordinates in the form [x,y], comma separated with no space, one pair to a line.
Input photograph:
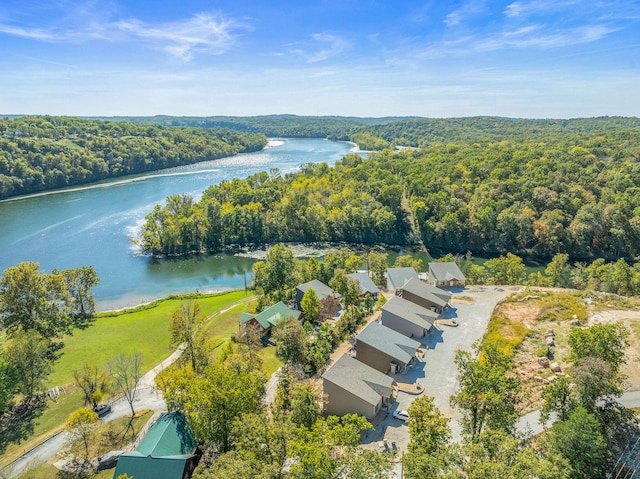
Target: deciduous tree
[80,424]
[214,400]
[186,328]
[488,391]
[578,439]
[310,305]
[27,357]
[126,371]
[93,382]
[291,339]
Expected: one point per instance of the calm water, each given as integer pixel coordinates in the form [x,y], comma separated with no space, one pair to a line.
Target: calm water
[92,226]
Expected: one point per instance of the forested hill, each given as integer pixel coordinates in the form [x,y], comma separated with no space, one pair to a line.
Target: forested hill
[44,152]
[426,131]
[388,132]
[577,193]
[283,126]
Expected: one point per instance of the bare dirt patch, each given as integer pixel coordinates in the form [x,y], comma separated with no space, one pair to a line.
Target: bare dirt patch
[554,310]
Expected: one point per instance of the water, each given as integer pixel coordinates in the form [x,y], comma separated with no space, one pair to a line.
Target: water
[92,226]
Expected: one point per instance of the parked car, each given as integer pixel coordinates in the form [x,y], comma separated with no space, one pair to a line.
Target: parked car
[402,415]
[109,460]
[102,409]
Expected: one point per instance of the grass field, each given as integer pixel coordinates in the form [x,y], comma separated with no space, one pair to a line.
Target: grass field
[144,331]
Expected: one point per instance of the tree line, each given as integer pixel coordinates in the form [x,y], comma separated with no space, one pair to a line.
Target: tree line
[41,153]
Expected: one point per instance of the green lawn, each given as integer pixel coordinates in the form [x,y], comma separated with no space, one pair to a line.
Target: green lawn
[144,331]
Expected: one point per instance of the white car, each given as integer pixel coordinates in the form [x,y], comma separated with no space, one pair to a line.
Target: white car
[402,415]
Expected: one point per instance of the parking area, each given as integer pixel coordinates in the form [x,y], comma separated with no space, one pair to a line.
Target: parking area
[471,309]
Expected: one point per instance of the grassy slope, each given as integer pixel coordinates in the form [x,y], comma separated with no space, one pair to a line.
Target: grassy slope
[144,331]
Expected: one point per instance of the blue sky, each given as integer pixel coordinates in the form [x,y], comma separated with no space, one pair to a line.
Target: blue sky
[523,58]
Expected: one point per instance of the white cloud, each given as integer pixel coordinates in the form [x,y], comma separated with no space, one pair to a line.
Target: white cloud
[524,8]
[468,10]
[334,45]
[33,34]
[202,33]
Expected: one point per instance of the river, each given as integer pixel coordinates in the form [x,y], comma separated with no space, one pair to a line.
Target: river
[93,225]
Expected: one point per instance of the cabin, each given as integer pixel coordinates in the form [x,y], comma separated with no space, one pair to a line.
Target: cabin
[367,286]
[167,451]
[322,291]
[425,295]
[397,277]
[407,318]
[384,349]
[446,275]
[352,387]
[268,318]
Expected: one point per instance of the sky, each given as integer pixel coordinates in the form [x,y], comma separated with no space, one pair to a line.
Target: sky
[366,58]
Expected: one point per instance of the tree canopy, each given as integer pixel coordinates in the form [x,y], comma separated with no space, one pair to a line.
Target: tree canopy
[40,153]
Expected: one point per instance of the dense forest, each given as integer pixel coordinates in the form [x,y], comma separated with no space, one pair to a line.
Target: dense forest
[283,126]
[317,204]
[389,132]
[424,132]
[577,194]
[44,153]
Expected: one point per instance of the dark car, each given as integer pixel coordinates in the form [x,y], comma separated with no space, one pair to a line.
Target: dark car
[109,460]
[102,409]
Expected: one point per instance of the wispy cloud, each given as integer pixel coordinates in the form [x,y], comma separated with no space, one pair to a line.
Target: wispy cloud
[33,34]
[204,33]
[530,37]
[331,45]
[470,9]
[525,8]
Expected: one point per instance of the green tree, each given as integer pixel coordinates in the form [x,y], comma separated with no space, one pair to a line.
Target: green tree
[7,385]
[557,271]
[594,378]
[605,341]
[213,401]
[358,463]
[410,262]
[347,288]
[27,358]
[429,435]
[291,341]
[507,269]
[377,264]
[558,398]
[488,391]
[497,454]
[275,275]
[187,327]
[310,305]
[93,382]
[305,405]
[30,299]
[578,439]
[80,424]
[429,428]
[79,283]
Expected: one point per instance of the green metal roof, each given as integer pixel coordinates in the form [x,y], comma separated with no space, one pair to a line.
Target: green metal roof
[271,316]
[163,451]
